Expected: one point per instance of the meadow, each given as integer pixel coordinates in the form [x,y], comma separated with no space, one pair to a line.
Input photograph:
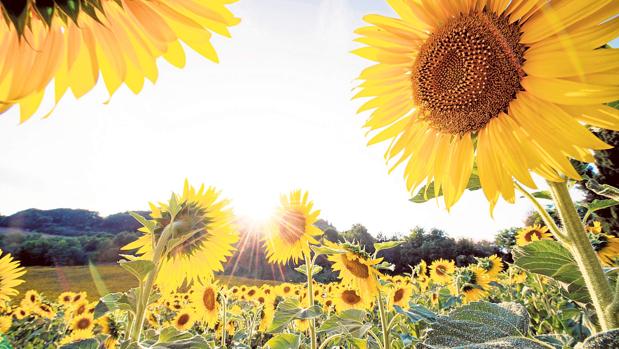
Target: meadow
[52,281]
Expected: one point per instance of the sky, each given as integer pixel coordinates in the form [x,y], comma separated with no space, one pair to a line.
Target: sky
[274,115]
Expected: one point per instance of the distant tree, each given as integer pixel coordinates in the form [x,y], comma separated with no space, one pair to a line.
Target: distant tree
[359,233]
[506,239]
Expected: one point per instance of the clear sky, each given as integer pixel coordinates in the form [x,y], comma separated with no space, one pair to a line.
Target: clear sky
[274,115]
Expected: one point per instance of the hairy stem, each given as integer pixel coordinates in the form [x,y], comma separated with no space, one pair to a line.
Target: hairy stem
[580,247]
[309,264]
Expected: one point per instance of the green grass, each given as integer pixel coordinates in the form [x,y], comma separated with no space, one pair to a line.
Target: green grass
[52,281]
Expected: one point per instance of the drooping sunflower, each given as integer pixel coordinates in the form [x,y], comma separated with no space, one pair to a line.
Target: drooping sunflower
[75,42]
[204,299]
[356,268]
[185,319]
[347,297]
[492,265]
[207,226]
[441,271]
[533,233]
[498,89]
[606,246]
[472,283]
[10,273]
[292,230]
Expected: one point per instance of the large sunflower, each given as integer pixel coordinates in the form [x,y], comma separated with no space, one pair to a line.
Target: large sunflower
[346,298]
[10,273]
[356,268]
[204,299]
[73,42]
[210,223]
[495,88]
[292,230]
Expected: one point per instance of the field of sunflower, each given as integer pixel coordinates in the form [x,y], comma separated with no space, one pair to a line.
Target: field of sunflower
[471,94]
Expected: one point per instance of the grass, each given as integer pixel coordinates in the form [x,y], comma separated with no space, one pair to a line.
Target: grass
[54,280]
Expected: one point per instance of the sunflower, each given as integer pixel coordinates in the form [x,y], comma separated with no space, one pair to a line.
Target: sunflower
[76,335]
[472,283]
[44,311]
[292,230]
[266,316]
[74,42]
[185,319]
[606,246]
[204,299]
[441,271]
[517,278]
[596,228]
[533,233]
[399,295]
[10,273]
[66,298]
[346,298]
[207,225]
[31,299]
[356,268]
[21,312]
[83,323]
[492,265]
[285,290]
[494,89]
[422,277]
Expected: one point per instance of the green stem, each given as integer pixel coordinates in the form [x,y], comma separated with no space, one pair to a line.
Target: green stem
[145,290]
[580,247]
[380,344]
[383,321]
[329,340]
[550,223]
[223,329]
[309,264]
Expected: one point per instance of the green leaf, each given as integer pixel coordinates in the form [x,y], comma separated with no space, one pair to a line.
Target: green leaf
[385,266]
[603,189]
[83,344]
[479,323]
[138,268]
[379,246]
[426,192]
[602,340]
[284,341]
[597,205]
[303,269]
[542,194]
[550,258]
[172,338]
[508,343]
[150,225]
[349,322]
[417,313]
[557,341]
[290,310]
[321,249]
[111,302]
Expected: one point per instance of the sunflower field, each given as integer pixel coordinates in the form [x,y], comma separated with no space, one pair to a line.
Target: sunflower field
[470,95]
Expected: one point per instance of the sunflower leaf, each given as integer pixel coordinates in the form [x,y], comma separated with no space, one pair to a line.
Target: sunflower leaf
[349,322]
[111,302]
[603,189]
[284,341]
[550,258]
[82,344]
[606,339]
[303,269]
[138,268]
[290,310]
[542,194]
[379,246]
[321,249]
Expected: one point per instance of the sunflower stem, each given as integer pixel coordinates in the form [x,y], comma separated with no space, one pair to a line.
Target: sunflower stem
[309,264]
[550,222]
[223,329]
[581,249]
[329,340]
[383,321]
[145,290]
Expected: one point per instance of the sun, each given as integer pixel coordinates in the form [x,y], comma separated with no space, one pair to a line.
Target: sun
[255,208]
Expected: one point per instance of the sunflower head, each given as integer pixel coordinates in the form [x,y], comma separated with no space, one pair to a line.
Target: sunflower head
[472,283]
[533,233]
[292,229]
[606,246]
[400,294]
[10,274]
[356,268]
[473,88]
[206,303]
[203,230]
[184,319]
[83,323]
[492,265]
[346,298]
[441,271]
